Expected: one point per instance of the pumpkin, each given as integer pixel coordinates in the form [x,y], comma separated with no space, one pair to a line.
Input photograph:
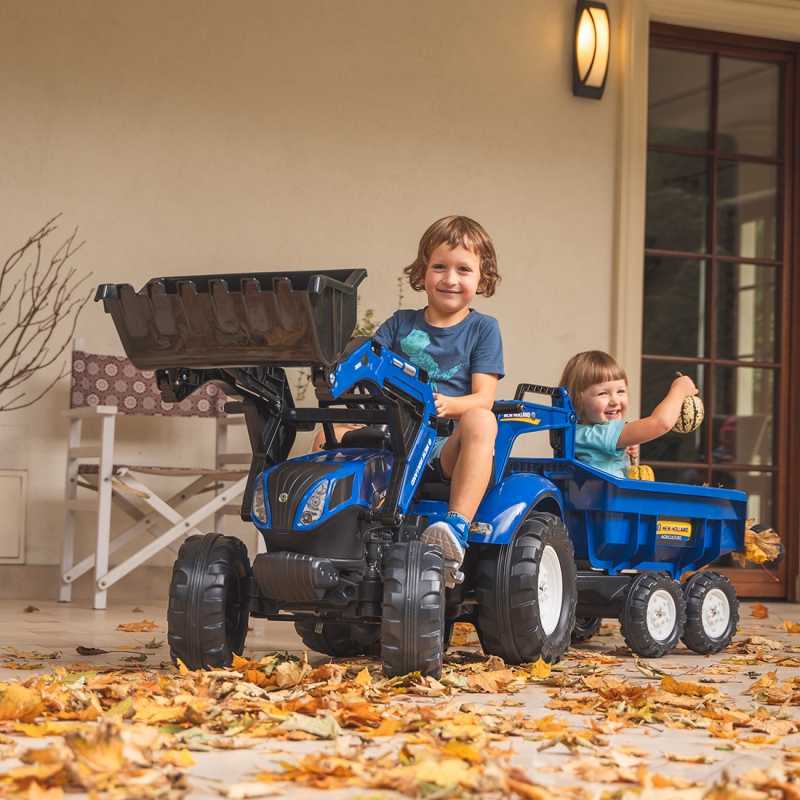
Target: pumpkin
[640,472]
[692,413]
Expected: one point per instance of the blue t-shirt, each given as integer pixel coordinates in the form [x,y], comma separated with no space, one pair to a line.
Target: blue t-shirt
[449,355]
[596,445]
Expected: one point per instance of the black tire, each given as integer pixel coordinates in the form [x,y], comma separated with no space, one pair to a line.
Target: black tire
[209,603]
[339,639]
[509,621]
[639,637]
[585,628]
[699,590]
[412,628]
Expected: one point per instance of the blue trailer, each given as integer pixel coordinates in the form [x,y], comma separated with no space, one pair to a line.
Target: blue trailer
[552,537]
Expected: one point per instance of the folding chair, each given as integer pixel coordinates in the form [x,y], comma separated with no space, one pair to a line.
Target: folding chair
[104,387]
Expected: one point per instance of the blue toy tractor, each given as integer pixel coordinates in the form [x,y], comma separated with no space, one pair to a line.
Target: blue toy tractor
[341,526]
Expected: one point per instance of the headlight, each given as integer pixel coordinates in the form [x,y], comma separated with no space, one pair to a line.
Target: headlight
[259,510]
[315,504]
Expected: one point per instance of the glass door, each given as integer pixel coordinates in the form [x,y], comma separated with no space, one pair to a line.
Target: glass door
[717,267]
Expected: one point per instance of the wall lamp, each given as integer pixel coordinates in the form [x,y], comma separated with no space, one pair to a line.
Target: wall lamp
[592,45]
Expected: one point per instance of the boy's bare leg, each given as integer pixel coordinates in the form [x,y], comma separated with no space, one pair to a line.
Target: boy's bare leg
[467,459]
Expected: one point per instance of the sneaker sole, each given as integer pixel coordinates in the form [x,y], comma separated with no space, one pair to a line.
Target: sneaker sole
[450,546]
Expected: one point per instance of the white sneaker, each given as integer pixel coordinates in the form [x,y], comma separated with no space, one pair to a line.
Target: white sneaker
[442,535]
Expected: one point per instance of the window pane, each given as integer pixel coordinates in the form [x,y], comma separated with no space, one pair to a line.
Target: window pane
[746,303]
[759,487]
[748,107]
[674,306]
[747,209]
[677,202]
[743,415]
[657,376]
[679,98]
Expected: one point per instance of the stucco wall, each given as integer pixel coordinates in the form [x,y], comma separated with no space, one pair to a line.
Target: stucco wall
[198,136]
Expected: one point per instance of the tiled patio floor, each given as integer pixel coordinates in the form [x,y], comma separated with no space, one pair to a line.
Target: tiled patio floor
[54,627]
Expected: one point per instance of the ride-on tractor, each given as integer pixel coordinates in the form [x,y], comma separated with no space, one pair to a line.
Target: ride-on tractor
[342,526]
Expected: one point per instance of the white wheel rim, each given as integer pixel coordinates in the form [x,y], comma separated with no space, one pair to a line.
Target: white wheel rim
[551,590]
[661,615]
[715,613]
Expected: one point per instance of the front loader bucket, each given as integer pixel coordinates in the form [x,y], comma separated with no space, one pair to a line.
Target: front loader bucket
[237,320]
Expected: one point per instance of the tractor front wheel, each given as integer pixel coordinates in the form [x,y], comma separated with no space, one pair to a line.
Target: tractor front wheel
[413,624]
[209,603]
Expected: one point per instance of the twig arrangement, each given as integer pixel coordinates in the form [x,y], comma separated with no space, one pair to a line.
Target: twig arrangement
[40,299]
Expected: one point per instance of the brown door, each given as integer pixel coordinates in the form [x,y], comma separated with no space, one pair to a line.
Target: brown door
[719,270]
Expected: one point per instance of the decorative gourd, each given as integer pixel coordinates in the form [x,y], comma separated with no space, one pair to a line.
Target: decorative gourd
[691,416]
[640,472]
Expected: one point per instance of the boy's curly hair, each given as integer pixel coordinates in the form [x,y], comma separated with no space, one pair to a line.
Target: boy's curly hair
[586,369]
[455,231]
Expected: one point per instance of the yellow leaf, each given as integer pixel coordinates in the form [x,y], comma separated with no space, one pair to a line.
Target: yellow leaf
[153,713]
[759,611]
[183,669]
[18,703]
[540,669]
[37,792]
[97,751]
[464,751]
[177,758]
[239,663]
[364,678]
[47,728]
[445,772]
[669,684]
[791,627]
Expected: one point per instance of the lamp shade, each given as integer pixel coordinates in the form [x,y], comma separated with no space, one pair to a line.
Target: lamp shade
[592,45]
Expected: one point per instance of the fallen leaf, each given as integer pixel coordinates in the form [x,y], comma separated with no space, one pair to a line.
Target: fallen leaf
[90,651]
[19,704]
[29,609]
[759,611]
[137,627]
[791,627]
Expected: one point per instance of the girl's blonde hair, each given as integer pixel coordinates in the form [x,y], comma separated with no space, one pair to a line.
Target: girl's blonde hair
[586,369]
[455,231]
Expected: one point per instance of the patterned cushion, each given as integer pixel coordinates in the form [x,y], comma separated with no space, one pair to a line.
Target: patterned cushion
[114,381]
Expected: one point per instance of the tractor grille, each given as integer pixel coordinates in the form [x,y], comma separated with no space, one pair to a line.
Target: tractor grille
[288,484]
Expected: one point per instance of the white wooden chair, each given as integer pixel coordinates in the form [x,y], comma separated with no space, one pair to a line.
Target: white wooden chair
[104,388]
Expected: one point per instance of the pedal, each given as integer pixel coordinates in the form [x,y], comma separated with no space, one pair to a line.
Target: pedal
[452,574]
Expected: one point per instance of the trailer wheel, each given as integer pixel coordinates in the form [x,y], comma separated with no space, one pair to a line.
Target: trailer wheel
[412,628]
[339,639]
[712,612]
[585,628]
[654,614]
[527,593]
[209,603]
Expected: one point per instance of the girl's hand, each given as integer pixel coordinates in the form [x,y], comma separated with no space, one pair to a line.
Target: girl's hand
[444,405]
[632,451]
[685,385]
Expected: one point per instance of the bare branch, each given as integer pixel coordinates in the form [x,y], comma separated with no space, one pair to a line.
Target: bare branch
[38,298]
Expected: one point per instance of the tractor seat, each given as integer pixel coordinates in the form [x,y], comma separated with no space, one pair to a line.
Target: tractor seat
[371,437]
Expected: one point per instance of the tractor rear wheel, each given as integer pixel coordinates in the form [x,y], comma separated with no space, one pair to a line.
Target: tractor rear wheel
[654,614]
[712,612]
[209,603]
[527,593]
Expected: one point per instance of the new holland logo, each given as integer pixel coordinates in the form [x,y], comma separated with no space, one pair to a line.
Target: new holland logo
[676,530]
